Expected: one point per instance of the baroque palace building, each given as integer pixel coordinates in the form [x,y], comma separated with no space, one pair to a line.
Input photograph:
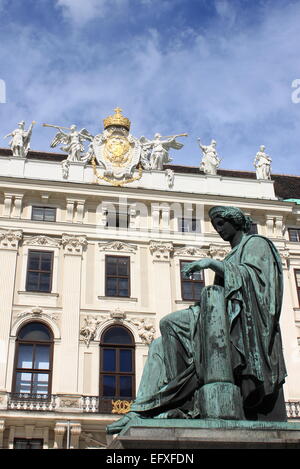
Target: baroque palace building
[91,250]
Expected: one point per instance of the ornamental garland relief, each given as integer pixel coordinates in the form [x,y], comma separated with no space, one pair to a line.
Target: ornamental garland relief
[117,246]
[91,324]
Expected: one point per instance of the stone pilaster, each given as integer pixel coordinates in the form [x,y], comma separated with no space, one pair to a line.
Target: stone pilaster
[9,242]
[73,248]
[161,278]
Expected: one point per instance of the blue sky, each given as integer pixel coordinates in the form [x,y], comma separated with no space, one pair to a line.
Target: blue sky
[219,69]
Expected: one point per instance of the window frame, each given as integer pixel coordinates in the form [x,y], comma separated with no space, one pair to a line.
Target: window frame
[191,281]
[39,270]
[43,207]
[28,442]
[298,234]
[105,401]
[33,371]
[297,286]
[117,276]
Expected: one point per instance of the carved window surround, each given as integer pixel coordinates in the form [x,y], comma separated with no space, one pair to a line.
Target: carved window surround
[116,248]
[41,243]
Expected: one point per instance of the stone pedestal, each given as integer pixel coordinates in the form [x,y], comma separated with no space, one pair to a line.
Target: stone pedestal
[207,434]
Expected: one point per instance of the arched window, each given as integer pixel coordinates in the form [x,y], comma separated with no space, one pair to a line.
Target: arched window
[33,361]
[117,374]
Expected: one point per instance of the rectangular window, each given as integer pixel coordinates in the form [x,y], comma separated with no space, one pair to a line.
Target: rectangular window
[191,287]
[297,279]
[24,443]
[39,271]
[253,229]
[43,213]
[117,276]
[117,218]
[294,234]
[187,225]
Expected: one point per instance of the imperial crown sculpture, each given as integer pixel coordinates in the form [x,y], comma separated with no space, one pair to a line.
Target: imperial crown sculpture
[117,119]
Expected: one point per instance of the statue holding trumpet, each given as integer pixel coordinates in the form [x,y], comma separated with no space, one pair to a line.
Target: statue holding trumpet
[72,140]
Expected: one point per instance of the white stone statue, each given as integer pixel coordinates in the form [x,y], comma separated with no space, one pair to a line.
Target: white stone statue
[20,142]
[210,160]
[73,141]
[158,149]
[262,163]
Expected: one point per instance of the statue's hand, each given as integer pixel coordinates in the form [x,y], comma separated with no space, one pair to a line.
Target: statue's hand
[192,267]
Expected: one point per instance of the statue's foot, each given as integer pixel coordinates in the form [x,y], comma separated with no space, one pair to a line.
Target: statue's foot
[117,426]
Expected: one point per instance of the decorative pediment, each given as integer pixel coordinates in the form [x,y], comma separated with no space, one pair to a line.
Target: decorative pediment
[41,240]
[190,251]
[118,246]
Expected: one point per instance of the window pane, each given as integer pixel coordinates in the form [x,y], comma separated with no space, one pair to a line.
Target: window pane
[111,265]
[37,213]
[25,356]
[125,360]
[32,281]
[125,386]
[293,235]
[117,335]
[111,286]
[197,290]
[187,290]
[46,262]
[50,214]
[34,331]
[109,386]
[42,361]
[123,287]
[34,261]
[109,360]
[23,382]
[123,267]
[40,383]
[44,282]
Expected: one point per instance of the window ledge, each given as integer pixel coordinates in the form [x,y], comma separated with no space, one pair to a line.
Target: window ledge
[181,302]
[37,293]
[117,298]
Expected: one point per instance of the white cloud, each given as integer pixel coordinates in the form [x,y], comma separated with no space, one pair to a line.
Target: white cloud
[82,11]
[234,88]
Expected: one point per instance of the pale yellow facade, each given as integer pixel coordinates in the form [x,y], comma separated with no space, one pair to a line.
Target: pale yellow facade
[77,310]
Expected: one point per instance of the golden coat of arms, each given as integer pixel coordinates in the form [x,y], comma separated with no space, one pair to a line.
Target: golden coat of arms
[122,157]
[116,151]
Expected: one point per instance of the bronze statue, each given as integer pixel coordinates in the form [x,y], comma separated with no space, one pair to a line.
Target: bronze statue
[221,358]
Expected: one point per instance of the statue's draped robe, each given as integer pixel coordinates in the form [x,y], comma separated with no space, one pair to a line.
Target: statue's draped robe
[253,289]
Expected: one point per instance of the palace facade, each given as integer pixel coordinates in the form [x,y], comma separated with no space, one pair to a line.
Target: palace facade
[89,266]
